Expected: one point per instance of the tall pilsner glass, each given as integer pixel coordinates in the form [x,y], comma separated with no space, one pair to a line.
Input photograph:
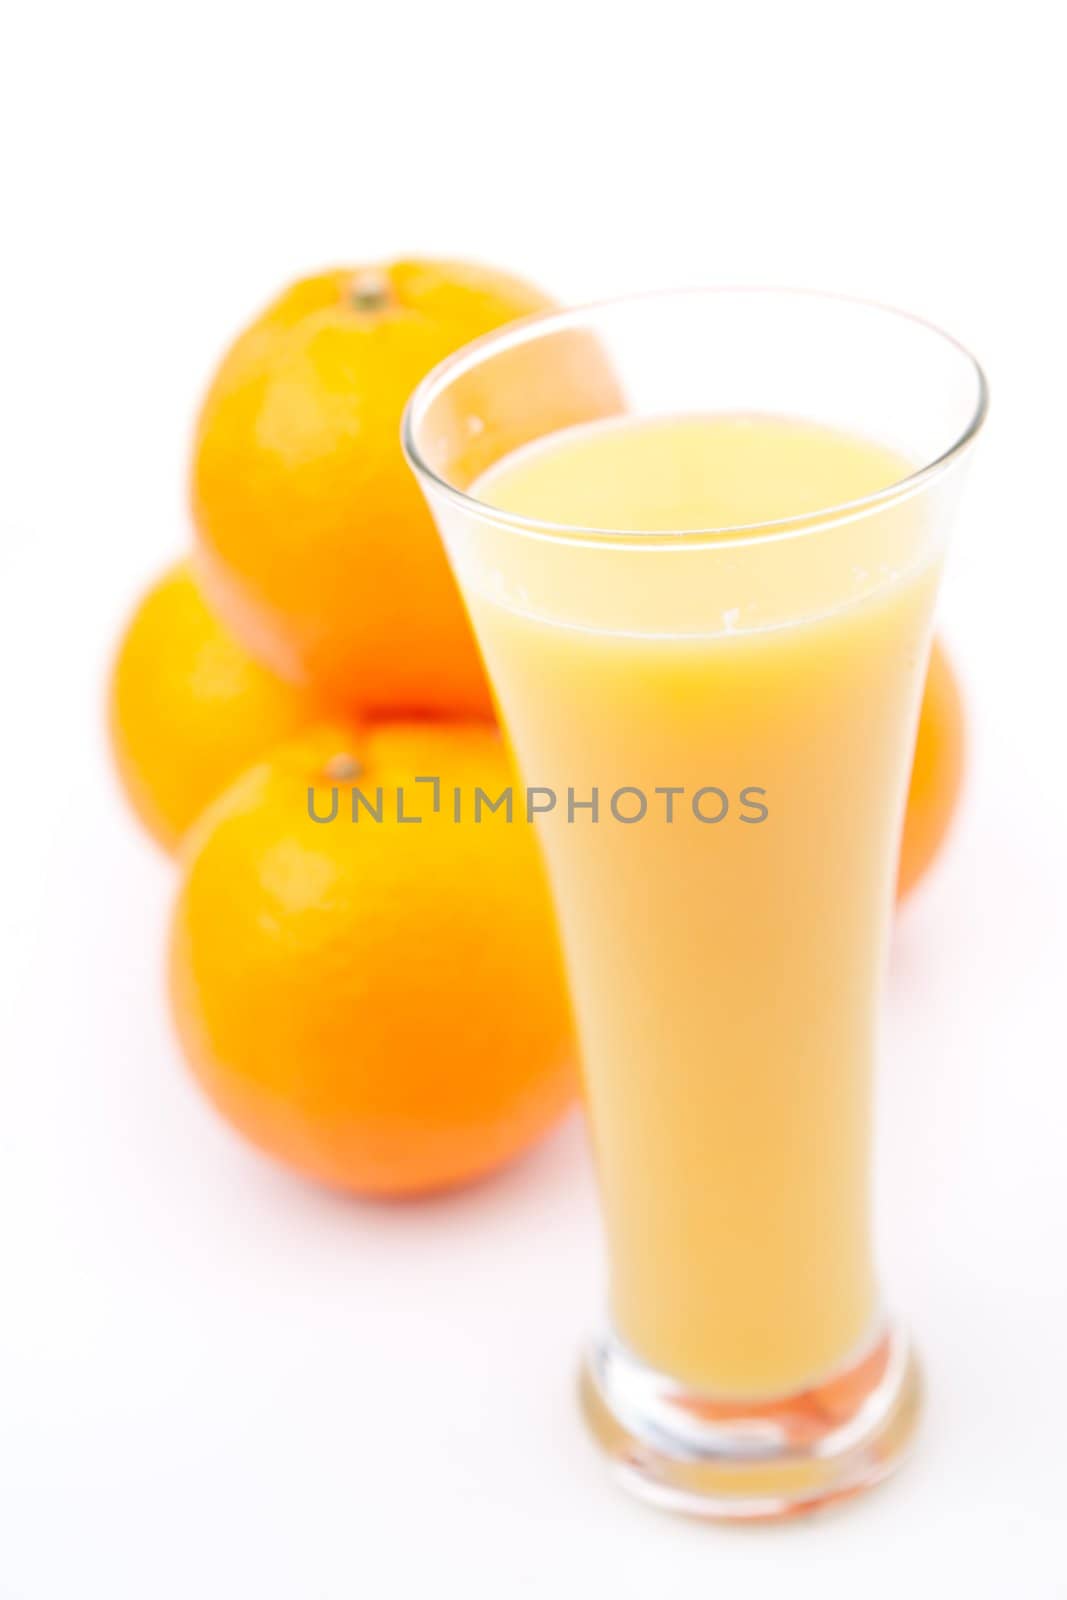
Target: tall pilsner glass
[699,536]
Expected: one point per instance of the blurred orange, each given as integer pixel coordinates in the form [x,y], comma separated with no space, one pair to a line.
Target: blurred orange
[319,549]
[937,772]
[379,1005]
[189,707]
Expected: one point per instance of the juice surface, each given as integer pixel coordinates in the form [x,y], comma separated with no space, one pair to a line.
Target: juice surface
[725,973]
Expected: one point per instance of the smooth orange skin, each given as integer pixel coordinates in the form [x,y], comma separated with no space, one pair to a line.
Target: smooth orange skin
[937,772]
[380,1006]
[316,543]
[189,708]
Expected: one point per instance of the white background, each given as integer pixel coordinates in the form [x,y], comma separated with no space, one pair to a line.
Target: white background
[213,1380]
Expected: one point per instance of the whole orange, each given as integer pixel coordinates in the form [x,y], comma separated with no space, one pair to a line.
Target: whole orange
[936,774]
[189,708]
[377,1003]
[318,547]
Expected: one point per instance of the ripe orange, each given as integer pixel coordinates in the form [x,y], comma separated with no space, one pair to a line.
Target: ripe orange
[319,549]
[189,708]
[381,1004]
[937,772]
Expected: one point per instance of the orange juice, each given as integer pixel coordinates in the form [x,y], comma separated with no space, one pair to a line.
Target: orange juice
[744,712]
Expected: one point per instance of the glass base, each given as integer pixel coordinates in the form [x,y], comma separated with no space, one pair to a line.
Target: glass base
[752,1460]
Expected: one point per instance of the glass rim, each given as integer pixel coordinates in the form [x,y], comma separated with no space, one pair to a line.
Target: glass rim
[525,330]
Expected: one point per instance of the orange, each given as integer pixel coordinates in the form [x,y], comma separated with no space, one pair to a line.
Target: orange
[189,708]
[319,548]
[378,1004]
[937,771]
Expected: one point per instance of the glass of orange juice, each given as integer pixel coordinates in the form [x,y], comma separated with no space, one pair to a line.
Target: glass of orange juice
[699,536]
